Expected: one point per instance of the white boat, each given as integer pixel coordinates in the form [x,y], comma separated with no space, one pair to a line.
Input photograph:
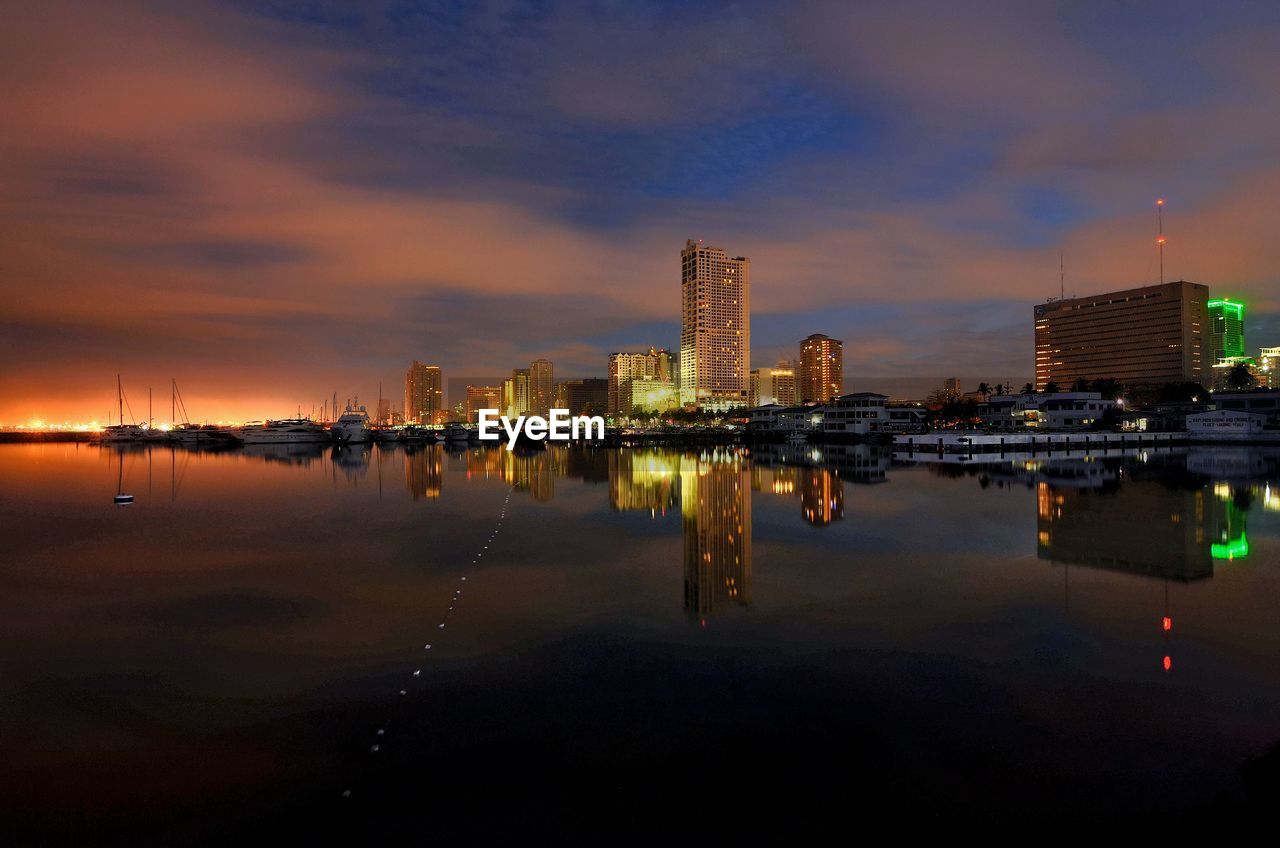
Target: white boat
[283,431]
[122,433]
[352,427]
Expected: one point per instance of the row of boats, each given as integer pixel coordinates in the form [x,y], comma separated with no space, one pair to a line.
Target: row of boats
[352,427]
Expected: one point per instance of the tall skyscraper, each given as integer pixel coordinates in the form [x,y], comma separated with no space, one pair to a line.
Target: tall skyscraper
[821,368]
[1143,336]
[515,393]
[542,387]
[482,397]
[653,364]
[423,394]
[715,327]
[1226,329]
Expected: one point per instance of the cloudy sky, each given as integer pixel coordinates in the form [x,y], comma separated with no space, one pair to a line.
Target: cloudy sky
[272,202]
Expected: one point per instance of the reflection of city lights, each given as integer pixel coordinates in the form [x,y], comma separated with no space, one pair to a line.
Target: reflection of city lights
[1166,624]
[1168,663]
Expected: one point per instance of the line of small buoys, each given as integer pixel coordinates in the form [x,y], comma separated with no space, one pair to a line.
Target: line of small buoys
[416,674]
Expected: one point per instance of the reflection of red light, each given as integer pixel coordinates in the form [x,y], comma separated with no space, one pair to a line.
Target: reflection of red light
[1168,663]
[704,622]
[1166,623]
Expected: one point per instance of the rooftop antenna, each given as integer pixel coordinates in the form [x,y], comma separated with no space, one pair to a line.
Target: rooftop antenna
[1062,278]
[1160,234]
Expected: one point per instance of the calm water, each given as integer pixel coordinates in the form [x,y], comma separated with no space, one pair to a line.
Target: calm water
[694,643]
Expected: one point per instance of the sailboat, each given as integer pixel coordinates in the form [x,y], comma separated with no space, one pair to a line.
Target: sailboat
[121,432]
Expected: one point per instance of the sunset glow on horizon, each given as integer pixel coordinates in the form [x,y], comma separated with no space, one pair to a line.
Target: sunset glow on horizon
[273,207]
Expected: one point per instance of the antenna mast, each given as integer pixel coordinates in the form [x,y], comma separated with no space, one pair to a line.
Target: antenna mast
[1160,234]
[1062,278]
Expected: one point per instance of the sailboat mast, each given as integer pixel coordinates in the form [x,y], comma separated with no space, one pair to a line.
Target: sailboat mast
[120,398]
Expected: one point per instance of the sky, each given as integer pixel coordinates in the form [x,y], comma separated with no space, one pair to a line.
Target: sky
[274,202]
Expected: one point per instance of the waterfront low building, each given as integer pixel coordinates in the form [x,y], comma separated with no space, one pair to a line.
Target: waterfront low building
[1226,424]
[1263,401]
[1056,411]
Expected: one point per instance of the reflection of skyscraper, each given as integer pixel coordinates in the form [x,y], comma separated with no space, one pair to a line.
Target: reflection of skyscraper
[1080,526]
[529,472]
[486,464]
[423,394]
[715,504]
[715,329]
[424,471]
[542,387]
[643,479]
[821,496]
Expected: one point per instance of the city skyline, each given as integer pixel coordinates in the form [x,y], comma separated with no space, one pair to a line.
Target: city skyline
[297,227]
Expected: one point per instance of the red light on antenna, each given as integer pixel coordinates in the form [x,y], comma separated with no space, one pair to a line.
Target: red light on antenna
[1160,202]
[1166,624]
[1167,663]
[1160,240]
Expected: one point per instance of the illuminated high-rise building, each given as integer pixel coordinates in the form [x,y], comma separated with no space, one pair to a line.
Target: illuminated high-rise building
[774,385]
[652,365]
[821,375]
[481,397]
[542,387]
[1269,367]
[515,393]
[423,394]
[1144,336]
[715,506]
[715,327]
[786,384]
[1226,329]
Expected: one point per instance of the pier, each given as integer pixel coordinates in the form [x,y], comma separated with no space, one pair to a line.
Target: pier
[970,442]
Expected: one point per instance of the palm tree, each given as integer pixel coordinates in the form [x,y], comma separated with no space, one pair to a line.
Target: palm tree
[1240,378]
[1051,388]
[1028,389]
[984,390]
[999,389]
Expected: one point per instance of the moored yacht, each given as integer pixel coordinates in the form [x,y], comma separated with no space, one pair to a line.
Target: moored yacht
[122,433]
[352,427]
[285,430]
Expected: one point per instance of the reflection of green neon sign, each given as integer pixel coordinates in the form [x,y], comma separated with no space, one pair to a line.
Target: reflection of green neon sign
[1235,549]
